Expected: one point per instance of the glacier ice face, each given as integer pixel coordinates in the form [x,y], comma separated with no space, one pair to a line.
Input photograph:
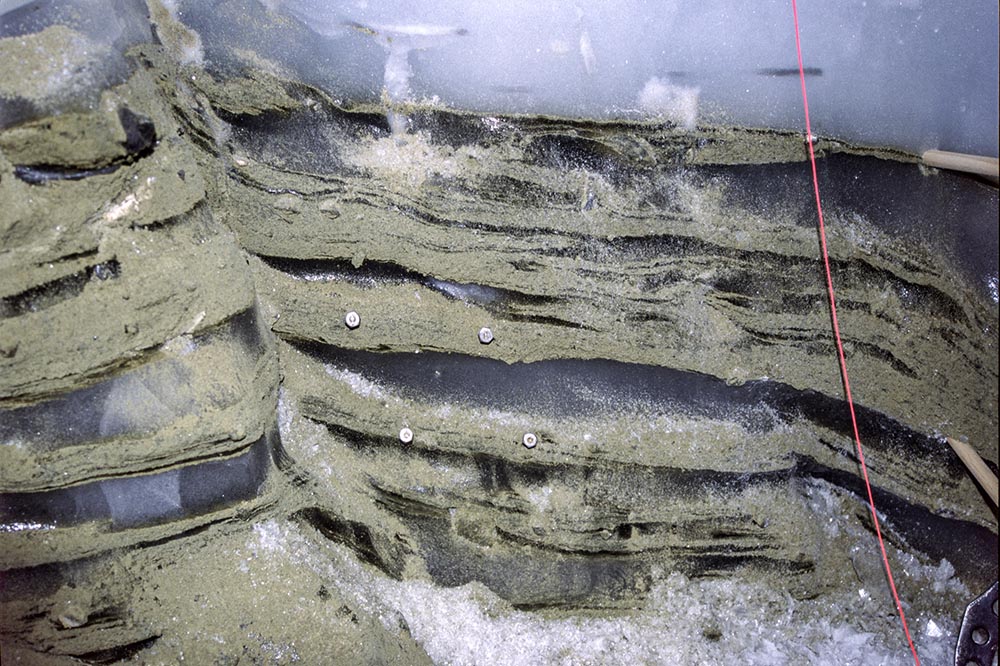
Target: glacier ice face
[907,74]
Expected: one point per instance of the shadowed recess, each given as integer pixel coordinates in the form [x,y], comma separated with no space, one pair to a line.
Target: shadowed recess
[575,387]
[148,499]
[132,403]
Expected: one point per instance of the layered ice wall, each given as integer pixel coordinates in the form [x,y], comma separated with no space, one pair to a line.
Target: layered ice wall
[906,73]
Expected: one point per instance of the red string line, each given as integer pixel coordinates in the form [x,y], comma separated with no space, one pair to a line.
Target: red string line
[840,345]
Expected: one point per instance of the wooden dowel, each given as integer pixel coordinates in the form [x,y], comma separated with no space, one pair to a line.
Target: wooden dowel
[984,475]
[977,164]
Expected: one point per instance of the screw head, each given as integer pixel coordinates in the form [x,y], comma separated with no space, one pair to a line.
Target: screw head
[485,335]
[530,440]
[406,435]
[352,319]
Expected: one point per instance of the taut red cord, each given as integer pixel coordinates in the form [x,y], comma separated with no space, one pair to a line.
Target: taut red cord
[840,345]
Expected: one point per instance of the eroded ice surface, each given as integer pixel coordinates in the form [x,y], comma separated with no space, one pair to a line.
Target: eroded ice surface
[685,621]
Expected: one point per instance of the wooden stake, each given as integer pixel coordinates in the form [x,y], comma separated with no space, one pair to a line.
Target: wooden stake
[977,164]
[984,475]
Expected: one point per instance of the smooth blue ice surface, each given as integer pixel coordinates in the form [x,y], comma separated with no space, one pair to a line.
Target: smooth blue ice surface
[906,73]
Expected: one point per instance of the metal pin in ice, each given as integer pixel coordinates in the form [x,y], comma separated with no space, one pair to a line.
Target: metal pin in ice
[352,319]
